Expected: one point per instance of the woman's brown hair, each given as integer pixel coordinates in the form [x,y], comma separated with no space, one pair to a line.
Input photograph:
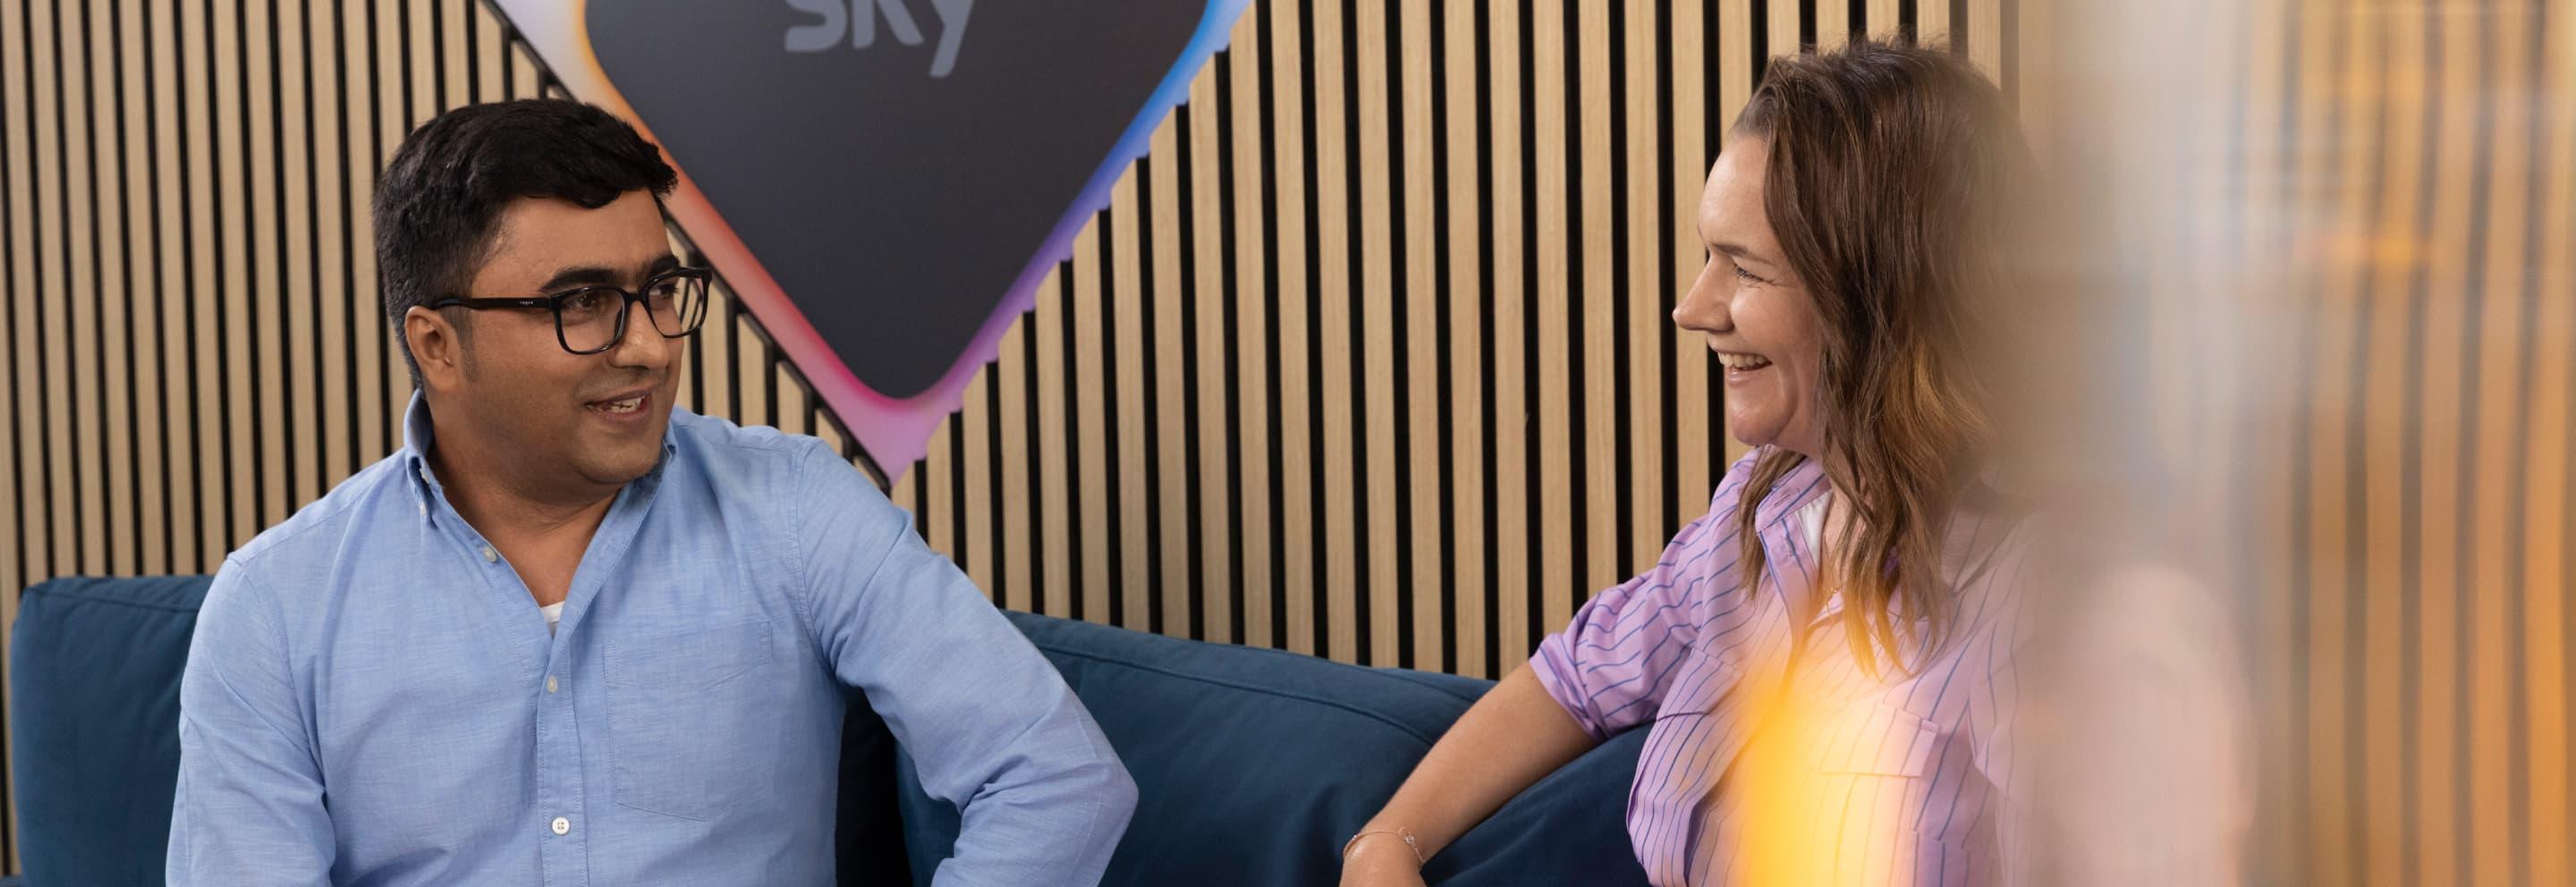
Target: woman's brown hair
[1892,171]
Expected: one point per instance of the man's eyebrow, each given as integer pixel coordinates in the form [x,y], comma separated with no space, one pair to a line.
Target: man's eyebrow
[602,275]
[580,275]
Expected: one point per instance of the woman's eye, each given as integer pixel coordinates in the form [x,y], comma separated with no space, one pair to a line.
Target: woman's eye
[1747,276]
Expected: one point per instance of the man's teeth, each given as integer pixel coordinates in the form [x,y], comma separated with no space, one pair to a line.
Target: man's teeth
[628,405]
[1742,361]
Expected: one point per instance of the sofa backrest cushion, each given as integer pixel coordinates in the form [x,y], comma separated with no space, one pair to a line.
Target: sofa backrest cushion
[1252,766]
[94,724]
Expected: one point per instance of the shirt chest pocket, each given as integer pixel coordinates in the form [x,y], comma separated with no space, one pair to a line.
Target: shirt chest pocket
[1874,739]
[683,721]
[1878,772]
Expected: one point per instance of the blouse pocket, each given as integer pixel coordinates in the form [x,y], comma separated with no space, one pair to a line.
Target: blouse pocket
[1874,739]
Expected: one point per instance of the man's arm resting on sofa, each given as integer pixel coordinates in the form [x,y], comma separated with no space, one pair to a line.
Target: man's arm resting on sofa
[990,724]
[249,803]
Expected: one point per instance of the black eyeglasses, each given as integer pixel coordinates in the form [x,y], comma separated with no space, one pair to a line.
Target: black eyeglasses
[592,319]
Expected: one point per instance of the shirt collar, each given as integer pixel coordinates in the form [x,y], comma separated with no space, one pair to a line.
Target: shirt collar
[1802,485]
[418,433]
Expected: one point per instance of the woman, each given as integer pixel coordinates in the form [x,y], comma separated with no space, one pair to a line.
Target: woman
[1852,221]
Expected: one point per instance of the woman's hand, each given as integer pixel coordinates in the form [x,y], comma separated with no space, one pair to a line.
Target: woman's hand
[1381,860]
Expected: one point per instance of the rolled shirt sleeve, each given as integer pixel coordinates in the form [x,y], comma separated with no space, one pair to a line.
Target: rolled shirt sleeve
[989,722]
[1611,665]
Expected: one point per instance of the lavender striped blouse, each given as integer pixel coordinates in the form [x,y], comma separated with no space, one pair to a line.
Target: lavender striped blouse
[1896,779]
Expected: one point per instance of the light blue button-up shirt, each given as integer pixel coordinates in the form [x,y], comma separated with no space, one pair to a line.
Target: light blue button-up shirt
[373,698]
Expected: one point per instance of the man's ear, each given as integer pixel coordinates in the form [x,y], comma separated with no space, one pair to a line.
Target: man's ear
[437,347]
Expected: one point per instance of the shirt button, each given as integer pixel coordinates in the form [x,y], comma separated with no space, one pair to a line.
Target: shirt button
[550,683]
[424,508]
[489,555]
[562,825]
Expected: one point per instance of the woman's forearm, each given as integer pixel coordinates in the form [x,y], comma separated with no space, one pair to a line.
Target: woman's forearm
[1504,743]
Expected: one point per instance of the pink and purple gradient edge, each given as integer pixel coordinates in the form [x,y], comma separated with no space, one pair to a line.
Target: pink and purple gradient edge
[894,432]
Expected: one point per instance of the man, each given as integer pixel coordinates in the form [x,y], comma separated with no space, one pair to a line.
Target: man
[570,635]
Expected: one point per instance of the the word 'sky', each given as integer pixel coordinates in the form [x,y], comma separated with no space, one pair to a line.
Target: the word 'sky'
[857,19]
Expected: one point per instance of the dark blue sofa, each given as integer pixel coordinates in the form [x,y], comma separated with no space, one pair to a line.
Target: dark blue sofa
[1251,765]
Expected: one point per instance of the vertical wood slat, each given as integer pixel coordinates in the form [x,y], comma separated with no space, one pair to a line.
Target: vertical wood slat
[1218,529]
[1020,550]
[1642,298]
[2490,579]
[1373,417]
[1984,29]
[372,35]
[197,238]
[975,426]
[168,491]
[933,503]
[1254,328]
[1599,306]
[2550,527]
[1293,177]
[750,368]
[1704,109]
[2441,720]
[1554,514]
[1167,588]
[1124,456]
[2336,604]
[2258,510]
[1932,20]
[1468,310]
[293,257]
[1094,538]
[1333,335]
[1784,32]
[1833,24]
[1514,582]
[1054,469]
[2304,665]
[2378,729]
[262,401]
[63,259]
[1417,361]
[79,377]
[334,287]
[126,325]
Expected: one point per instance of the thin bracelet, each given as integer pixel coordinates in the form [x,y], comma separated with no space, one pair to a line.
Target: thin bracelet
[1404,833]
